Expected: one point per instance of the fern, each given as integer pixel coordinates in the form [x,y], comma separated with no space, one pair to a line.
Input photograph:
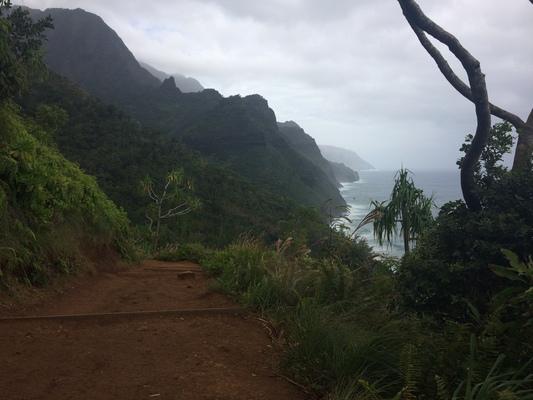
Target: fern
[412,373]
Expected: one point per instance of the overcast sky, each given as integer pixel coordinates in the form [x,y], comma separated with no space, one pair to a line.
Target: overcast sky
[351,73]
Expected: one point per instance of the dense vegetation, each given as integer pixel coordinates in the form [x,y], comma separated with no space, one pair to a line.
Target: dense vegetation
[120,153]
[462,244]
[52,215]
[451,320]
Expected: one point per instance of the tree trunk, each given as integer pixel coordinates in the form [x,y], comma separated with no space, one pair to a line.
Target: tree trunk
[406,242]
[158,227]
[406,231]
[481,100]
[156,237]
[524,147]
[477,92]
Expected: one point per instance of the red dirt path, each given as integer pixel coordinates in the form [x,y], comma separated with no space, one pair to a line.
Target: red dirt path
[215,356]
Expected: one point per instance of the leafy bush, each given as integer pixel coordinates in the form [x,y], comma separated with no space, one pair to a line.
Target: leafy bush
[50,208]
[449,272]
[450,266]
[323,307]
[345,335]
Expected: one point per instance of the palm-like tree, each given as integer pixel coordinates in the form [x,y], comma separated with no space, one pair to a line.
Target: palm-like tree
[407,208]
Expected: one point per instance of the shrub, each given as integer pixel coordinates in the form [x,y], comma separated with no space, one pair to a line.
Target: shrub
[450,266]
[51,210]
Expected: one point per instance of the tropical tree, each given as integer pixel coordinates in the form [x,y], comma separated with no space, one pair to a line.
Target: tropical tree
[169,200]
[337,219]
[407,208]
[20,44]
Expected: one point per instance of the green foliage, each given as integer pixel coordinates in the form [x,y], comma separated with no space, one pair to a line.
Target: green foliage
[20,43]
[238,132]
[450,267]
[324,308]
[49,207]
[511,309]
[120,153]
[344,334]
[407,207]
[495,385]
[490,167]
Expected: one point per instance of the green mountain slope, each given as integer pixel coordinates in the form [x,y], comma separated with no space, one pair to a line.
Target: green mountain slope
[52,214]
[53,217]
[306,146]
[243,132]
[80,48]
[120,153]
[240,133]
[185,84]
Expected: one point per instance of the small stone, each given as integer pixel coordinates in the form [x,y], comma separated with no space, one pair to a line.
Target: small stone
[186,275]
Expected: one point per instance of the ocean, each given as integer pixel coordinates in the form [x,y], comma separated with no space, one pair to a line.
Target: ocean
[377,185]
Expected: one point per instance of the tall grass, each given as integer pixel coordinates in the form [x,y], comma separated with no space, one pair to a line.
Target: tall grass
[343,335]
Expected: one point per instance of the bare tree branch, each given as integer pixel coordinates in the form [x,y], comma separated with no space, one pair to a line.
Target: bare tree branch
[171,191]
[151,223]
[478,88]
[152,195]
[173,210]
[458,84]
[187,211]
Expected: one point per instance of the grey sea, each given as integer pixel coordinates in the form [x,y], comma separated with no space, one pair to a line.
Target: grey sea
[377,185]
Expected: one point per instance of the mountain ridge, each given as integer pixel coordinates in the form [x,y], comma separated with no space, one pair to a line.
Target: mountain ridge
[244,127]
[184,83]
[345,156]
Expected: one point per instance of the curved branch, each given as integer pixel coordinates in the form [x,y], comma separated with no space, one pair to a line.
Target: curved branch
[151,223]
[457,83]
[417,19]
[524,146]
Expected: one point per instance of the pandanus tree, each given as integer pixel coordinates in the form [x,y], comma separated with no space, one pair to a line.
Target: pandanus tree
[476,92]
[408,208]
[169,200]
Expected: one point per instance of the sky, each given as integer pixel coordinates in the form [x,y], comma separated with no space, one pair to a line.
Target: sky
[351,73]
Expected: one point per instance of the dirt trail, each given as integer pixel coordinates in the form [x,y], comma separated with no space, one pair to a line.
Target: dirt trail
[197,356]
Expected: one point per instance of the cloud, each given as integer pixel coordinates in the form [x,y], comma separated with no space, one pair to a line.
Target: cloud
[350,72]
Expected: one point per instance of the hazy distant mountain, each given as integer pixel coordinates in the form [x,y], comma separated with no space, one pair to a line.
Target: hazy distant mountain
[184,83]
[239,132]
[343,173]
[347,157]
[307,147]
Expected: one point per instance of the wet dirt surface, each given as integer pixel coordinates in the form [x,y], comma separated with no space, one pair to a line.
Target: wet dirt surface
[196,356]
